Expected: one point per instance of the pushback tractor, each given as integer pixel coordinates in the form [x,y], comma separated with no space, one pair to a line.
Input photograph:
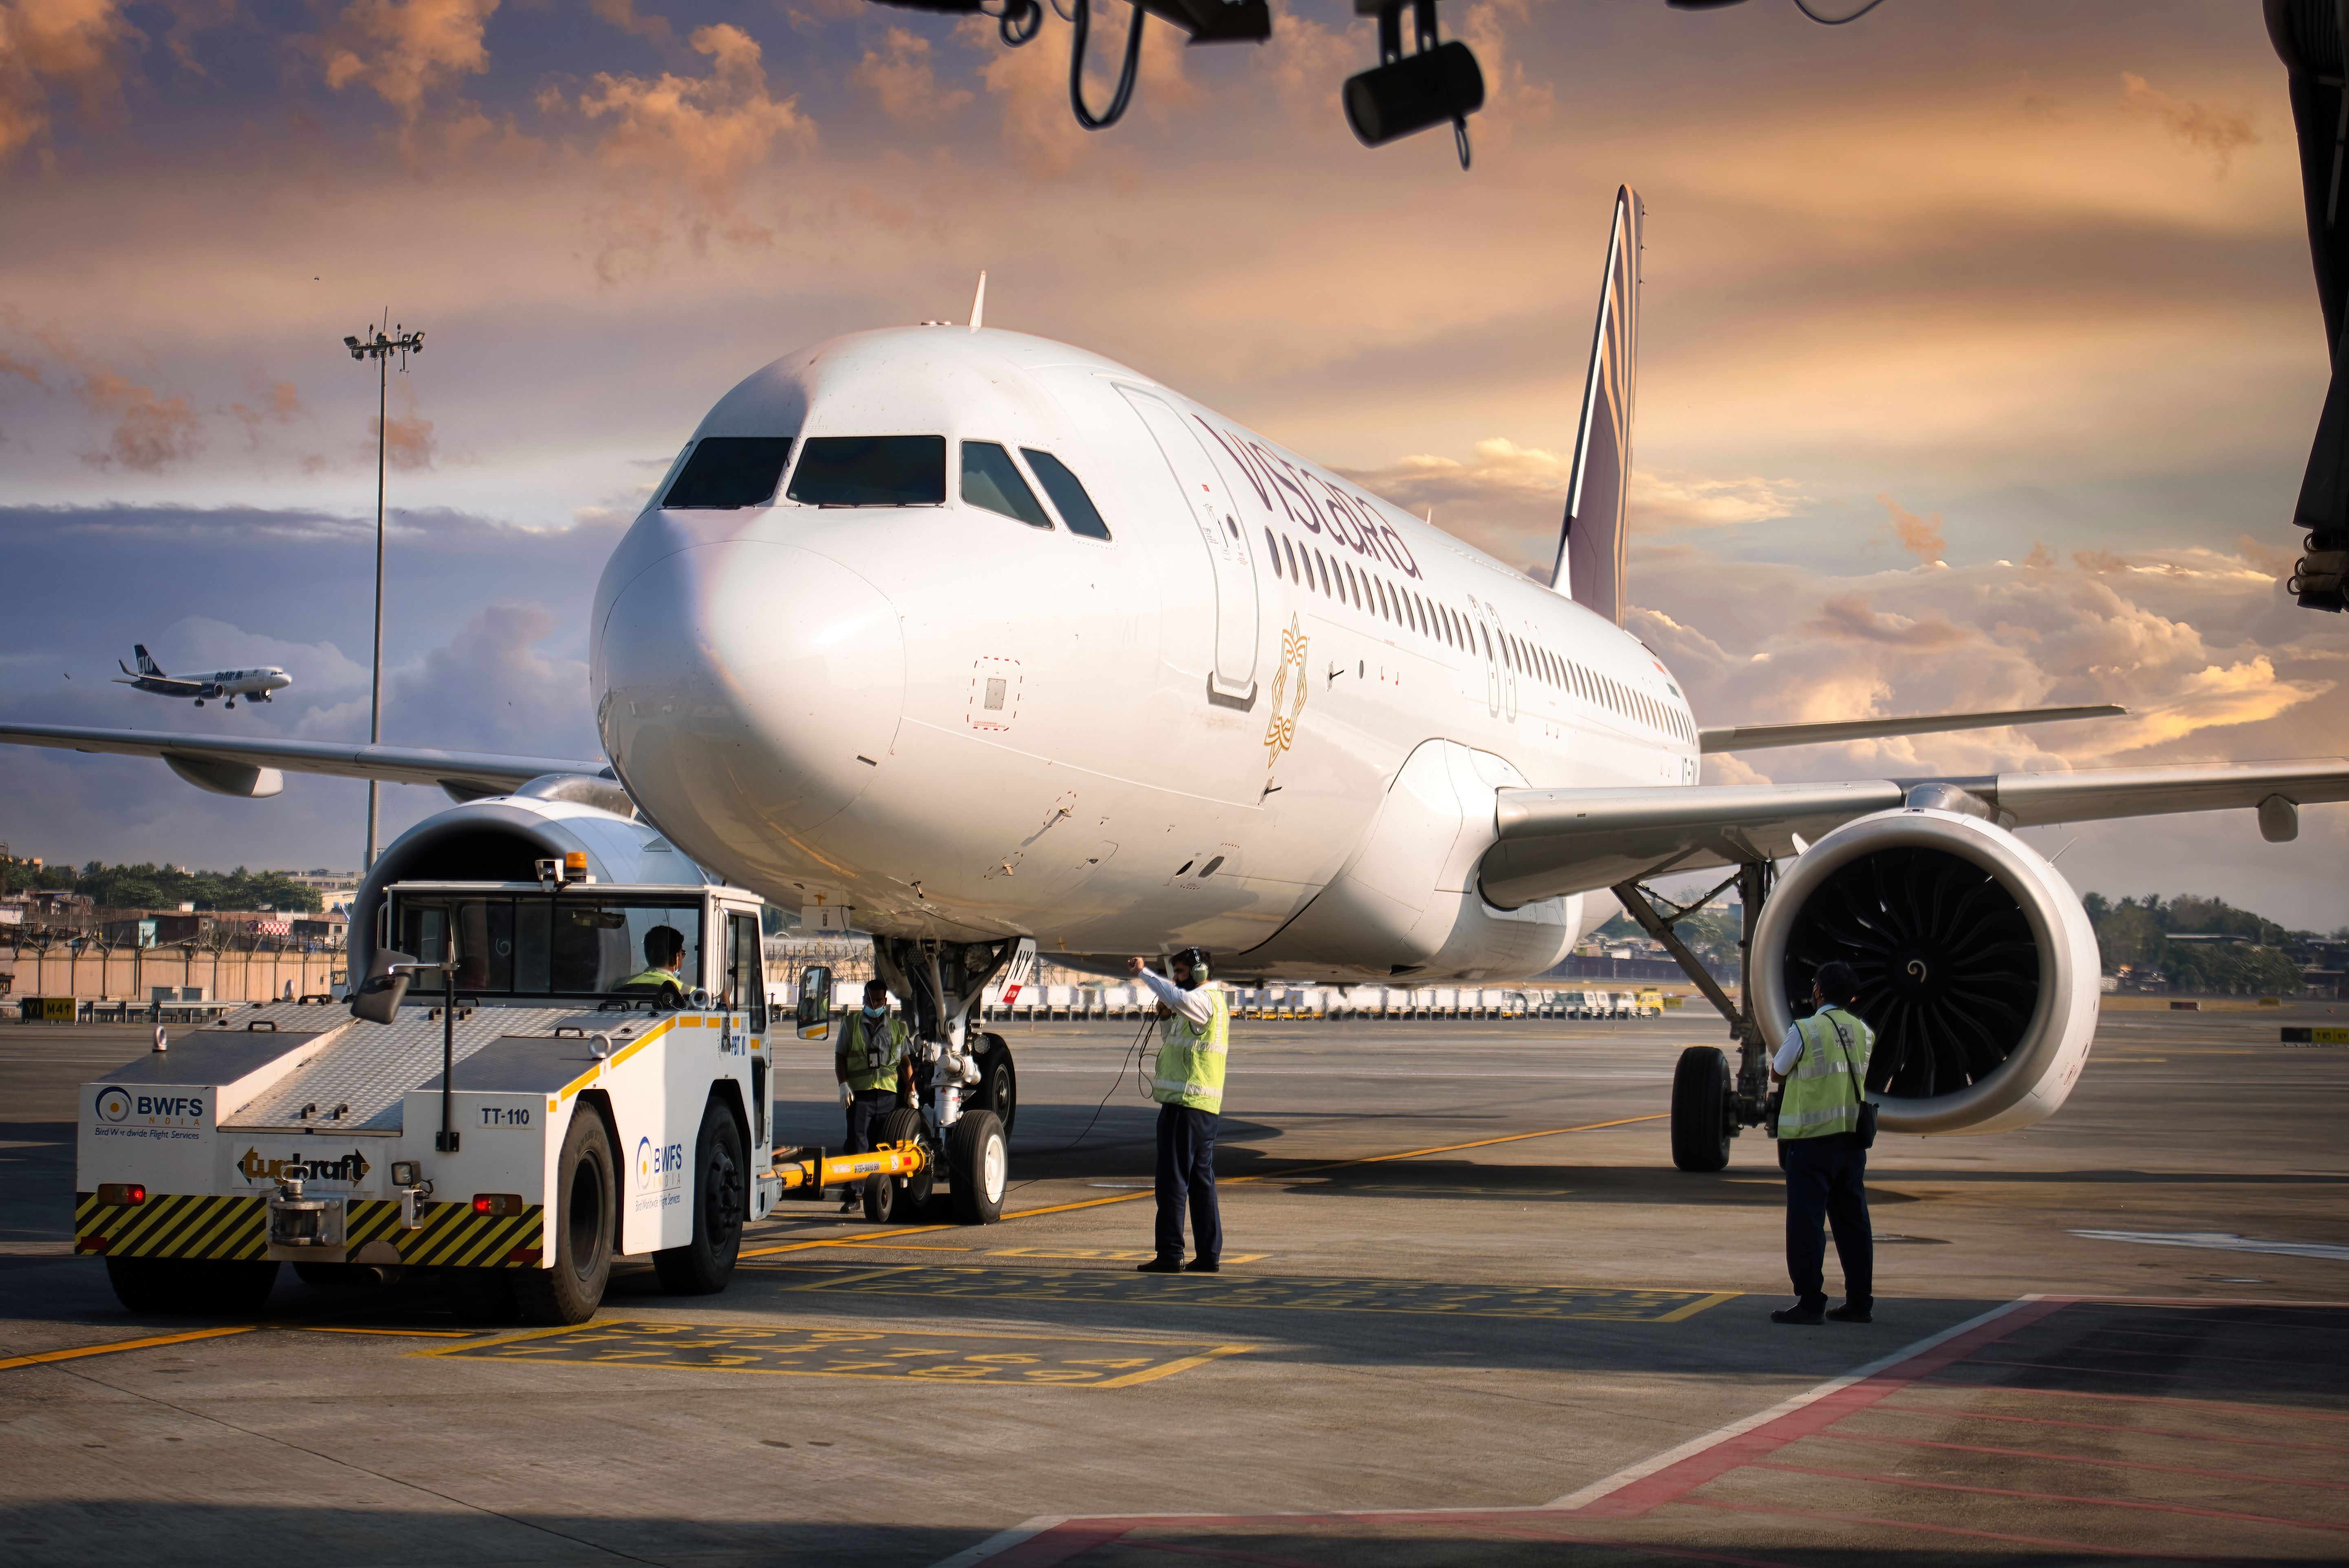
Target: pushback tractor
[536,1080]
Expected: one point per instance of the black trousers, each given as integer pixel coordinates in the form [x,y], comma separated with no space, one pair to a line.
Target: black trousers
[1826,1185]
[865,1109]
[1186,1171]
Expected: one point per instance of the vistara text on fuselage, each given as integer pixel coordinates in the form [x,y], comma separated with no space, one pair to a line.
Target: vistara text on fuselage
[983,635]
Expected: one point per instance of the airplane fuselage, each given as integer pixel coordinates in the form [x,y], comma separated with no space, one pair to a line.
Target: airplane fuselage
[1267,690]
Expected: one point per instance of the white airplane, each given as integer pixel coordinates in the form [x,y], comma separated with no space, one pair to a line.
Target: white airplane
[228,683]
[986,638]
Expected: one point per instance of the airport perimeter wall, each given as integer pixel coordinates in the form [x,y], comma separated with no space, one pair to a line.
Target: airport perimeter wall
[193,974]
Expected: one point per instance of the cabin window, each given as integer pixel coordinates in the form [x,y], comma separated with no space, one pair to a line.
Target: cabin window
[871,470]
[1076,507]
[990,480]
[1321,565]
[730,472]
[1379,589]
[1291,551]
[1488,641]
[1272,548]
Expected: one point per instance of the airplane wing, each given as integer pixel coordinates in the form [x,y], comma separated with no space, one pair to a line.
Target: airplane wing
[161,685]
[207,760]
[1761,737]
[1557,841]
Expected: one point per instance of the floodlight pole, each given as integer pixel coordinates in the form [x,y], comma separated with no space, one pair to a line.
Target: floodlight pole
[380,348]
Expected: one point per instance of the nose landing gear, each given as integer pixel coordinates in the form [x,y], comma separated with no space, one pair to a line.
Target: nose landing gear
[963,1079]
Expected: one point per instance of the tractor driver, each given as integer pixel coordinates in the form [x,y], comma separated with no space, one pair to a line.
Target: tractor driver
[664,961]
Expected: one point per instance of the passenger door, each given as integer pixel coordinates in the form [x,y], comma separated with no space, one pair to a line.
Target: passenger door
[1212,508]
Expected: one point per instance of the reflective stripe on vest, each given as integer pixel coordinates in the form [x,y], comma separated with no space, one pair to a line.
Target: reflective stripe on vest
[873,1060]
[1191,1057]
[1823,1092]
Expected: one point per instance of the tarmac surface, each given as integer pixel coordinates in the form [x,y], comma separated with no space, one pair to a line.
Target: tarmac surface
[1469,1313]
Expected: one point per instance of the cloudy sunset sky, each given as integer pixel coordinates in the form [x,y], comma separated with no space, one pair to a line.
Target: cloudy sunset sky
[1979,354]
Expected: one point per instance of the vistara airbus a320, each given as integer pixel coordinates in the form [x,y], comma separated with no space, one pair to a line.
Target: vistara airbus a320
[988,639]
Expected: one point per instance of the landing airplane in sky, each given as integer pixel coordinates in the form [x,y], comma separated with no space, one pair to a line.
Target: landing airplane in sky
[228,683]
[988,638]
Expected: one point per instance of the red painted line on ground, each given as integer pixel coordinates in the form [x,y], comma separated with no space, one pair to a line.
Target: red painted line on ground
[1676,1480]
[1960,1415]
[1131,1544]
[1641,1547]
[2194,1355]
[1063,1542]
[1869,1519]
[2293,1411]
[2046,1456]
[2130,1503]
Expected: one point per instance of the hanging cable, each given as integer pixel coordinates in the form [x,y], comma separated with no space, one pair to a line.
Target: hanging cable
[1141,1036]
[1021,20]
[1082,21]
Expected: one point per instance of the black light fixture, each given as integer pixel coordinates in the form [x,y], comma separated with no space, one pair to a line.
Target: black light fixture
[1407,93]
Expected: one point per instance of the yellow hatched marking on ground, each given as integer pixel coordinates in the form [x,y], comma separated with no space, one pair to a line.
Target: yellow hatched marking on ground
[1108,1254]
[1012,1360]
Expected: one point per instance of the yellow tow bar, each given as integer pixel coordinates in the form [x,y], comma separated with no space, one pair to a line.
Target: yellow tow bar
[847,1170]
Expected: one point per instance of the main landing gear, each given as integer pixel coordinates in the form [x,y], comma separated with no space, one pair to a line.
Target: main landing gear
[1710,1105]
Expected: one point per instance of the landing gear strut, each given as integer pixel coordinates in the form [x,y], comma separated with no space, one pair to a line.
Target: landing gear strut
[1710,1108]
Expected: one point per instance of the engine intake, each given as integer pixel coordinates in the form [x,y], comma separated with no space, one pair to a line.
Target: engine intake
[1977,966]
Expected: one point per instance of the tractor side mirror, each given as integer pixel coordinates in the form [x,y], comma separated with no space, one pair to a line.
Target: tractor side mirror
[815,1002]
[378,1001]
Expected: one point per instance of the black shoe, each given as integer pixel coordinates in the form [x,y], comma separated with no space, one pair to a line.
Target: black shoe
[1159,1265]
[1847,1312]
[1799,1312]
[1203,1265]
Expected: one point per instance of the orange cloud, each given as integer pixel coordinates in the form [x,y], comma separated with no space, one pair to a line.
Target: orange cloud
[56,45]
[1850,618]
[405,48]
[2221,132]
[281,404]
[704,133]
[1919,536]
[905,83]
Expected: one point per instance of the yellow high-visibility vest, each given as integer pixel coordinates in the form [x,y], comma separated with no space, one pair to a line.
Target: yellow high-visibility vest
[1191,1057]
[872,1058]
[1824,1092]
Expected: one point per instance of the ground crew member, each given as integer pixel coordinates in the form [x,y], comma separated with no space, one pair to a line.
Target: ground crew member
[1188,1085]
[1823,1067]
[664,960]
[874,1067]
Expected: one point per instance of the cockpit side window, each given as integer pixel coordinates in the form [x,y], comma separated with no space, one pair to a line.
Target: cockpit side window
[871,470]
[991,479]
[1076,507]
[730,472]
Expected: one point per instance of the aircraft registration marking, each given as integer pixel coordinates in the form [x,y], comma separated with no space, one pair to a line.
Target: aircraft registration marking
[952,1356]
[1289,1292]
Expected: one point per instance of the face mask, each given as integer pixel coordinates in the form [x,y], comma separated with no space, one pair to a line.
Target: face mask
[872,1012]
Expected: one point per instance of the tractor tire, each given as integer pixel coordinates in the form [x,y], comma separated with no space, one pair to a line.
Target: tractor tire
[586,1213]
[905,1125]
[1701,1129]
[146,1287]
[721,1201]
[978,1163]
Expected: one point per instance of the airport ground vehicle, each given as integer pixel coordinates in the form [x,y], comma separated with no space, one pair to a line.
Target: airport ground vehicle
[592,1113]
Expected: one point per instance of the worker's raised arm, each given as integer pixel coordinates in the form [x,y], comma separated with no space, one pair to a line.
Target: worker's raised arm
[1192,1005]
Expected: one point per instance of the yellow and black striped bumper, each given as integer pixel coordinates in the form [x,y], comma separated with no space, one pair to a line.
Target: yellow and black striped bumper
[188,1226]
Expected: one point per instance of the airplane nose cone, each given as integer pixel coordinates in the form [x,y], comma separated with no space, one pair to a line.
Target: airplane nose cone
[747,693]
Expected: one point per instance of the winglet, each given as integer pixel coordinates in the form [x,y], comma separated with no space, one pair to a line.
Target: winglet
[978,303]
[1590,568]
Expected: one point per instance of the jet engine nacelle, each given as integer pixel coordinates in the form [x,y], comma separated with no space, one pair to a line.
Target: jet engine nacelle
[1977,966]
[502,838]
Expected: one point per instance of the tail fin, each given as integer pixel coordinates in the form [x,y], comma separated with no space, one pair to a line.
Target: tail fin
[147,665]
[1590,569]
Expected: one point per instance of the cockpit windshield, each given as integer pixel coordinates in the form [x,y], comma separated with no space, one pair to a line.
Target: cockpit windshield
[871,470]
[555,944]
